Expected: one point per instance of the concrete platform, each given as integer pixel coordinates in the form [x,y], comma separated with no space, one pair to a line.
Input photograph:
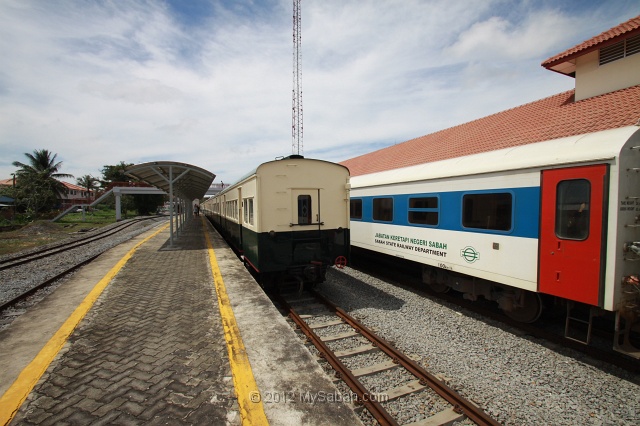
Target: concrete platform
[153,347]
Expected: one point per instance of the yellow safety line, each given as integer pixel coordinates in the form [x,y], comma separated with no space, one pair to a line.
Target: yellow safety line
[20,389]
[249,400]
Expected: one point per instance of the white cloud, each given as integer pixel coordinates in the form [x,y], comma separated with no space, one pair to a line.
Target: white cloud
[137,91]
[100,82]
[496,38]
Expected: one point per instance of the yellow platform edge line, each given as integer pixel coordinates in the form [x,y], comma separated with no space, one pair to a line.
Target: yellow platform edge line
[249,399]
[13,398]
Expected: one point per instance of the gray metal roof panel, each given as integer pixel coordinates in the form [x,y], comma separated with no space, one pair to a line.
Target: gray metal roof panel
[189,181]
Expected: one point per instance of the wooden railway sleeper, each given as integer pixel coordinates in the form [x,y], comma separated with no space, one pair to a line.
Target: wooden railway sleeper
[472,411]
[400,391]
[446,417]
[468,409]
[363,397]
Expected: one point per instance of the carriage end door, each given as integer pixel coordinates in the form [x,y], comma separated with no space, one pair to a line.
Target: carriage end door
[306,208]
[571,233]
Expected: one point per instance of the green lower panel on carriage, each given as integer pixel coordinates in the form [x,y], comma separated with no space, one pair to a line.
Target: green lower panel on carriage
[293,251]
[231,231]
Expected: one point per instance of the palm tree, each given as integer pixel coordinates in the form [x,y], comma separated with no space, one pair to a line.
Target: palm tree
[89,183]
[39,178]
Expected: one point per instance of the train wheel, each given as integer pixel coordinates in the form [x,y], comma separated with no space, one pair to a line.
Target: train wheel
[438,287]
[436,279]
[266,283]
[530,311]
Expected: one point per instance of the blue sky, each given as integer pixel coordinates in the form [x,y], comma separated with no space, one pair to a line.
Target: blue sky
[210,82]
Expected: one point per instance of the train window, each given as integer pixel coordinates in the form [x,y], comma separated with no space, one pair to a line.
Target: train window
[572,209]
[383,209]
[423,218]
[487,211]
[423,203]
[248,211]
[245,210]
[355,209]
[231,209]
[304,209]
[423,210]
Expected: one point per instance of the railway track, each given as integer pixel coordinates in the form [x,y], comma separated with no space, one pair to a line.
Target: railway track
[31,255]
[26,273]
[341,339]
[547,328]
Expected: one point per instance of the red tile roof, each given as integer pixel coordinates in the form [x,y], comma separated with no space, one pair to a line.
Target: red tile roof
[613,35]
[73,187]
[9,182]
[550,118]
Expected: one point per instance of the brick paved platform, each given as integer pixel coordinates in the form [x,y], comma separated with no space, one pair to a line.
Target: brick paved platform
[152,349]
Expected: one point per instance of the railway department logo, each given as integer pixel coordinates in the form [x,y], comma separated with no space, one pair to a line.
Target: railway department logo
[469,254]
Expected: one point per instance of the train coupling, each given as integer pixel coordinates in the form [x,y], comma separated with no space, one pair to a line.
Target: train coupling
[315,271]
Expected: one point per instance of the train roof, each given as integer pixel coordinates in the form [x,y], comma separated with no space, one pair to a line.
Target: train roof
[555,117]
[291,157]
[597,146]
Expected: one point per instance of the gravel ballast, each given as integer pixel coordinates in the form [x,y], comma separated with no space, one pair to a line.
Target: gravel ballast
[17,280]
[516,379]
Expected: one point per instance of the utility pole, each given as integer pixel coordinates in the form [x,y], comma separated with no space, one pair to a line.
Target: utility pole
[296,128]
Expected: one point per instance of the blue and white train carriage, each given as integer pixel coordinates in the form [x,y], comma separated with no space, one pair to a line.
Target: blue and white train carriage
[558,218]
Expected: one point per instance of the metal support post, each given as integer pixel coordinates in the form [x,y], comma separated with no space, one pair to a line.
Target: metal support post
[116,193]
[170,206]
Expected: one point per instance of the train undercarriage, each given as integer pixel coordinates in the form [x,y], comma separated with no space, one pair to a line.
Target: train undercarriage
[527,307]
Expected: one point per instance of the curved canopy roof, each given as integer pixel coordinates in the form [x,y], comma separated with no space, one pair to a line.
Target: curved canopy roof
[187,181]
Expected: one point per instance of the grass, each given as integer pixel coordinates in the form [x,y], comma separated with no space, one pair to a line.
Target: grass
[93,218]
[42,232]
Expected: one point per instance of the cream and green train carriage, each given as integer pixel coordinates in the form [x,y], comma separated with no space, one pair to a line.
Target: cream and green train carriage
[288,218]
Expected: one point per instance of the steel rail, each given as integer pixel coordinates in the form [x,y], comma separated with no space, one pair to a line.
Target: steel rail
[415,285]
[39,254]
[472,411]
[32,290]
[7,303]
[364,397]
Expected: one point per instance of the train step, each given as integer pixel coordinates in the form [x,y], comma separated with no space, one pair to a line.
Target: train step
[572,332]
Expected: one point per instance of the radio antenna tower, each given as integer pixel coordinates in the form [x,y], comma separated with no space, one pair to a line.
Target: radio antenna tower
[296,128]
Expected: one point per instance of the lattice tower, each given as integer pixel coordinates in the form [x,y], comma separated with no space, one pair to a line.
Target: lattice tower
[296,128]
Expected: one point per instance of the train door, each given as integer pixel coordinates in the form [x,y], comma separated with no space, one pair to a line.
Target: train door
[571,233]
[306,242]
[306,208]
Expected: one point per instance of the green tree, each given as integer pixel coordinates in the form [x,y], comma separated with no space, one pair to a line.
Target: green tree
[148,203]
[38,187]
[115,173]
[88,182]
[143,204]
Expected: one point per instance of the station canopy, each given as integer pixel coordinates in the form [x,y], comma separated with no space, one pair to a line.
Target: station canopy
[183,180]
